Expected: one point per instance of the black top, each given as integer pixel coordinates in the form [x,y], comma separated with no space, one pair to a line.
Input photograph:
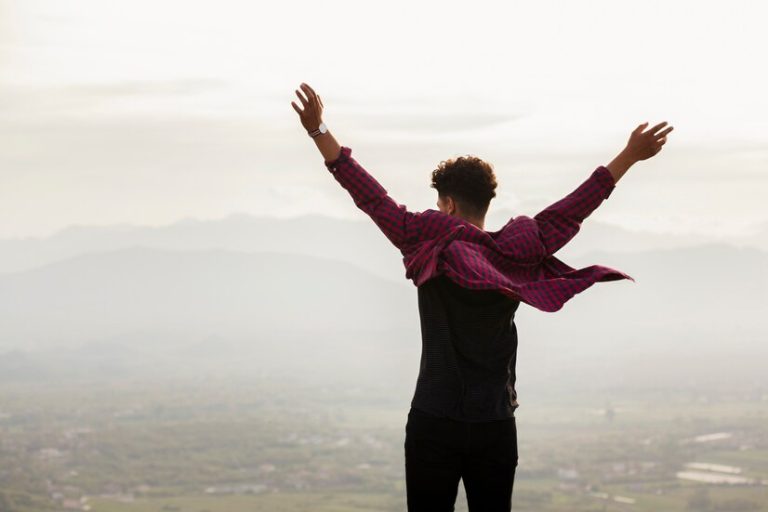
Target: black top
[468,352]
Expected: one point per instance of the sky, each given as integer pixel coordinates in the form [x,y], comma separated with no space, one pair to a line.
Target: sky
[149,112]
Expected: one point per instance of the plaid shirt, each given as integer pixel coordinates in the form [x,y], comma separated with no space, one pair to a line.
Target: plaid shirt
[517,259]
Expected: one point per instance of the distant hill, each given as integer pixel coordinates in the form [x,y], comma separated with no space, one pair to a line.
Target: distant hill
[358,242]
[693,313]
[159,296]
[214,295]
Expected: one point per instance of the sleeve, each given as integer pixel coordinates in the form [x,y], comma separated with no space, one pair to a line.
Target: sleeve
[559,222]
[399,225]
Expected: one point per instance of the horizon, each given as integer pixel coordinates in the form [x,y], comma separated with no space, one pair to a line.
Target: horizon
[737,238]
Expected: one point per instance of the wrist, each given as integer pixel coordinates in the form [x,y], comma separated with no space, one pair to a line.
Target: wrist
[320,129]
[621,164]
[627,155]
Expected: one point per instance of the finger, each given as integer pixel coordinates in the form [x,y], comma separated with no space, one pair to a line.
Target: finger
[310,95]
[304,102]
[307,88]
[640,127]
[662,141]
[656,128]
[313,100]
[296,108]
[320,100]
[665,132]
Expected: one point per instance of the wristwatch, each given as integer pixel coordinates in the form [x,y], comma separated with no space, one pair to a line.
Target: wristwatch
[320,129]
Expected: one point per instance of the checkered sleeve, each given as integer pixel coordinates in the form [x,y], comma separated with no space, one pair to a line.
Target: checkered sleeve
[559,222]
[399,225]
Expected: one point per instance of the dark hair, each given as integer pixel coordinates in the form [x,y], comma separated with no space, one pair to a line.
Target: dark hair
[469,180]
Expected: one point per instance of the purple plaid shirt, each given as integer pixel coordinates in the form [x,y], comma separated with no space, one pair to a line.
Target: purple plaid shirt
[517,259]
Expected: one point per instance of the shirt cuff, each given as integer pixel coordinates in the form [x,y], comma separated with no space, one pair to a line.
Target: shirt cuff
[605,178]
[343,156]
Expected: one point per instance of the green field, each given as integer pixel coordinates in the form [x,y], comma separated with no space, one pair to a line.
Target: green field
[226,446]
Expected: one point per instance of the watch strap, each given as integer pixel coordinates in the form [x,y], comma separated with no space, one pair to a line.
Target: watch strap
[320,129]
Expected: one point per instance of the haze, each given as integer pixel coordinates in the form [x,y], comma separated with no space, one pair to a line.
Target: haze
[148,112]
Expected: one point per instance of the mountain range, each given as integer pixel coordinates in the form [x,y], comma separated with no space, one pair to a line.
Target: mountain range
[328,297]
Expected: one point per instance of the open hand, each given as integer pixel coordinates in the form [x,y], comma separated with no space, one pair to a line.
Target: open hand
[312,115]
[646,144]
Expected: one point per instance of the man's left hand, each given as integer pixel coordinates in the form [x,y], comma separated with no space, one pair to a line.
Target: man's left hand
[312,115]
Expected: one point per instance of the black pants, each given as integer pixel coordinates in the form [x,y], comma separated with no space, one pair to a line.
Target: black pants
[440,451]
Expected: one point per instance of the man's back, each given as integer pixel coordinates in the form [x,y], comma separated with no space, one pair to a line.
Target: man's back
[469,349]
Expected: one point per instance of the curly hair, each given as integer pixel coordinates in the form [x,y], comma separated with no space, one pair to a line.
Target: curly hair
[469,180]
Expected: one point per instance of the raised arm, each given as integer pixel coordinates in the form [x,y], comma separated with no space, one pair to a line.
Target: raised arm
[559,222]
[398,224]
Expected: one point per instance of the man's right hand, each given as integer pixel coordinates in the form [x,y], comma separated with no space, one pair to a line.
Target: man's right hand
[643,145]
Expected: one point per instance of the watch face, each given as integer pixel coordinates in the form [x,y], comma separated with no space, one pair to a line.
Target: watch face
[322,128]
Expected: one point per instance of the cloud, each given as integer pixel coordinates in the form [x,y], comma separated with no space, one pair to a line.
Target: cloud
[144,87]
[44,101]
[434,122]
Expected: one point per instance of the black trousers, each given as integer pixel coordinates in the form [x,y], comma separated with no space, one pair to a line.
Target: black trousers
[440,451]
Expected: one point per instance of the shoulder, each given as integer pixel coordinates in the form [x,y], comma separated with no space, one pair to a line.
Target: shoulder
[520,239]
[521,223]
[434,223]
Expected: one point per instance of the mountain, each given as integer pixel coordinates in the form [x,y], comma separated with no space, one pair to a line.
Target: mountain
[158,296]
[694,314]
[357,242]
[309,235]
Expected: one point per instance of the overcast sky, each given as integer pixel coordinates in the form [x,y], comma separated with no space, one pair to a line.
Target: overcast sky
[150,111]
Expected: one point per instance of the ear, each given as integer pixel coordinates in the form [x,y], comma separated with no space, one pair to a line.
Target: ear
[451,206]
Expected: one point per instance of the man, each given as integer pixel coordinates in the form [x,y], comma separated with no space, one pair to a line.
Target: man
[461,424]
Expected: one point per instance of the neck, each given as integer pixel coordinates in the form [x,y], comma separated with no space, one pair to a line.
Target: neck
[478,223]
